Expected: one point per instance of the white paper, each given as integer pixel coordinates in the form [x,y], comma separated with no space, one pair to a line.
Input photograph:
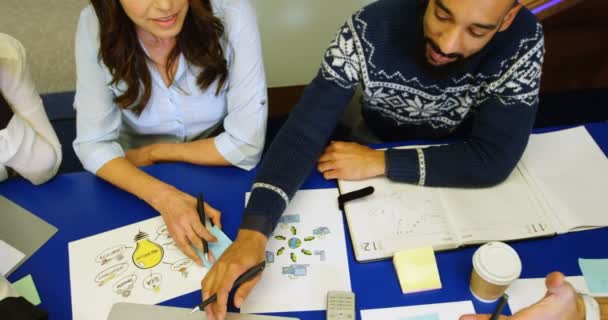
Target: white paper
[504,212]
[103,271]
[439,311]
[397,216]
[9,257]
[306,257]
[525,292]
[571,171]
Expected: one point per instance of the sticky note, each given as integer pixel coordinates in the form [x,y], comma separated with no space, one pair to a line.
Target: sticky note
[217,248]
[595,272]
[417,270]
[27,289]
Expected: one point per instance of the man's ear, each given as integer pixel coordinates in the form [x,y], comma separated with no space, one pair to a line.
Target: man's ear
[510,17]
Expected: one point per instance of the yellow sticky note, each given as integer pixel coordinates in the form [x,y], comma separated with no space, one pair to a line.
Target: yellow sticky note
[417,270]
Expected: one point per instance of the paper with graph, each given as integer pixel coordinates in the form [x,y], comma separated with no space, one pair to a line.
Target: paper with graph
[138,263]
[533,202]
[305,257]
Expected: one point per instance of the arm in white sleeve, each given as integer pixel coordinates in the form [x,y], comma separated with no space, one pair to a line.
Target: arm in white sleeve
[28,144]
[243,141]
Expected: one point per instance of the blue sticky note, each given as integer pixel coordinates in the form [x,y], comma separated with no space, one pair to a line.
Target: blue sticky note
[217,248]
[595,272]
[423,317]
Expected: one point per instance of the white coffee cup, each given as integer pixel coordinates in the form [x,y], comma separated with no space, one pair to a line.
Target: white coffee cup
[495,266]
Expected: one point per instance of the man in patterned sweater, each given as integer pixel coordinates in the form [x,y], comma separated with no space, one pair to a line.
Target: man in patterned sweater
[428,70]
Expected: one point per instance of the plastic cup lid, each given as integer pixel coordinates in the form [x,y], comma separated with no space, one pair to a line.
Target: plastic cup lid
[497,263]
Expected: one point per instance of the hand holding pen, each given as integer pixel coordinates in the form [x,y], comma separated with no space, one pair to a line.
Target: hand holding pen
[248,275]
[200,208]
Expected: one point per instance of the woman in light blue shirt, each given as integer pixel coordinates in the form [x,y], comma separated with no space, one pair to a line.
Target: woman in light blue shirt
[169,80]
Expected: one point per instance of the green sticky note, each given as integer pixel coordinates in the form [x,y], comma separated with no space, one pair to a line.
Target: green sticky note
[27,289]
[595,272]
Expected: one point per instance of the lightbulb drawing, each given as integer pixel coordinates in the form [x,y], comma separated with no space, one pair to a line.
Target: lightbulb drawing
[147,254]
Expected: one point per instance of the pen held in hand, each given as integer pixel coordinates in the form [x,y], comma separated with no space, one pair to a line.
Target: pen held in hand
[501,305]
[248,275]
[200,208]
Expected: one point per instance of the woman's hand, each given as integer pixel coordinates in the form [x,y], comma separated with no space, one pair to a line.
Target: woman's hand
[178,210]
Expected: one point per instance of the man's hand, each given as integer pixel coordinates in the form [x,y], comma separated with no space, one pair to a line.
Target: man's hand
[245,252]
[351,161]
[178,210]
[141,156]
[560,303]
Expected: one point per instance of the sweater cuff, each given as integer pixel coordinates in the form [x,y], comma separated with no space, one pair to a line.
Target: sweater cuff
[265,206]
[406,165]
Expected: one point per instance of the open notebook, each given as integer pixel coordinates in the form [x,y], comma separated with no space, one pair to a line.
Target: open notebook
[559,186]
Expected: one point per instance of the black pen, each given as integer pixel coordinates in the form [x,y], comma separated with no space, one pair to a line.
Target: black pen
[501,305]
[354,195]
[200,207]
[248,275]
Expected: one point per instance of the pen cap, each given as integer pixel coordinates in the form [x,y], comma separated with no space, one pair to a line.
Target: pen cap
[495,266]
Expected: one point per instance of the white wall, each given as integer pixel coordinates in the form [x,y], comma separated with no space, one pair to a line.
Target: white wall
[46,28]
[295,34]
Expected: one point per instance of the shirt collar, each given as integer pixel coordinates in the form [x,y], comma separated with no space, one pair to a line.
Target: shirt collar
[180,82]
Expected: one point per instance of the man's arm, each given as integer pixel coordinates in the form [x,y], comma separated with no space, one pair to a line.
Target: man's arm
[486,157]
[289,160]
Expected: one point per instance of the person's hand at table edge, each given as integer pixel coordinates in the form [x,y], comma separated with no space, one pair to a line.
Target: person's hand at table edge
[245,252]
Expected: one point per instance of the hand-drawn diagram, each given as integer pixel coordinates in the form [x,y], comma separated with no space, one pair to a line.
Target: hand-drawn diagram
[293,242]
[115,253]
[181,266]
[153,282]
[137,263]
[296,270]
[111,273]
[125,285]
[147,254]
[305,255]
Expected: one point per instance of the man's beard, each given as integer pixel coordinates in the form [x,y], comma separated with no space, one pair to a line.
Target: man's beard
[436,71]
[422,42]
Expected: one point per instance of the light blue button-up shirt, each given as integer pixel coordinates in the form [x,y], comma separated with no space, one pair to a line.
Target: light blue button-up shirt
[180,112]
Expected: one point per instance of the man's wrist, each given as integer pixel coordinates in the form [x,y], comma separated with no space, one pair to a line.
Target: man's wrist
[380,156]
[253,237]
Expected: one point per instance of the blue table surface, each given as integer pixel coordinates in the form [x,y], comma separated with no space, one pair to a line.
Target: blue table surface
[81,205]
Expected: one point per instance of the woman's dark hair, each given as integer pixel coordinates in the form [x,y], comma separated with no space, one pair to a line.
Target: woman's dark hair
[121,52]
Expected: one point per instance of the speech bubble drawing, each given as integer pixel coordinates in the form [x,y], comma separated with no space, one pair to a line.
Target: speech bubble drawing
[111,273]
[182,266]
[153,282]
[125,285]
[114,253]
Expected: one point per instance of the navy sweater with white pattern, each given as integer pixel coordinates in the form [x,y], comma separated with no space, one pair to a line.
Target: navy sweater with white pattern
[492,98]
